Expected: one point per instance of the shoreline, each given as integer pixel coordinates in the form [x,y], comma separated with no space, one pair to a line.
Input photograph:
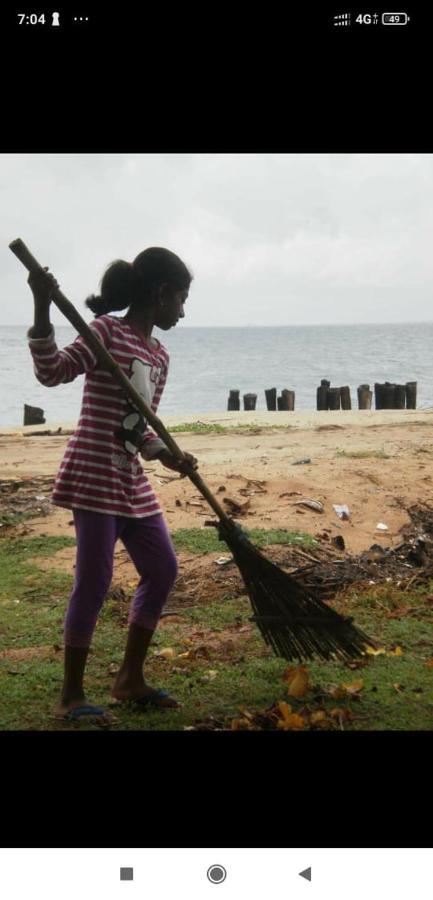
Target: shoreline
[377,462]
[305,419]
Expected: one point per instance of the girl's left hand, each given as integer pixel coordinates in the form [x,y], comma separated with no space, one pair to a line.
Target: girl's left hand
[183,466]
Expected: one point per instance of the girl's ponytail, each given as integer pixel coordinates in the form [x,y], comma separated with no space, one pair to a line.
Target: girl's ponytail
[119,287]
[127,283]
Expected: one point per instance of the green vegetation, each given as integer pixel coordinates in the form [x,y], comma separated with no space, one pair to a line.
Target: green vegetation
[363,454]
[205,540]
[210,428]
[227,666]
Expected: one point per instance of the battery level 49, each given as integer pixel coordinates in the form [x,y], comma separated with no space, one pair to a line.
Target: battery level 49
[395,18]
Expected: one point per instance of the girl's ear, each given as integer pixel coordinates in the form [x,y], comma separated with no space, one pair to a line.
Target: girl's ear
[162,294]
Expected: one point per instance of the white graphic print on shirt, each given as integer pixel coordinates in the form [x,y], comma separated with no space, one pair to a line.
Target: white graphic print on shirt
[144,378]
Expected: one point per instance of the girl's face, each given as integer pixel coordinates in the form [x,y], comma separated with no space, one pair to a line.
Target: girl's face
[170,307]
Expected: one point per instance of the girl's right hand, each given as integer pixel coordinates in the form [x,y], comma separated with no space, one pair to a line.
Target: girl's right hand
[41,284]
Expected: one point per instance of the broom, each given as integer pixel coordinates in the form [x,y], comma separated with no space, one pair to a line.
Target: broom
[294,623]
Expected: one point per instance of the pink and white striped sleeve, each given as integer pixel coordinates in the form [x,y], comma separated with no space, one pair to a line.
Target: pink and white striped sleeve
[53,366]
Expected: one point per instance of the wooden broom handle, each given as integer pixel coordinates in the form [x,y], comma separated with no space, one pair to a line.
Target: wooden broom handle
[22,252]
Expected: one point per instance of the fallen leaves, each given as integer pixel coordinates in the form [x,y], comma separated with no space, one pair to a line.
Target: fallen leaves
[344,691]
[166,653]
[289,721]
[297,679]
[282,717]
[380,651]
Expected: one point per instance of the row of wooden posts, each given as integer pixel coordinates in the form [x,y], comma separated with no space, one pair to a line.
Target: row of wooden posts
[386,396]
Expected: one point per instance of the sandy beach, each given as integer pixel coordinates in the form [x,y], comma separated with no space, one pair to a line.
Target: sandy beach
[377,463]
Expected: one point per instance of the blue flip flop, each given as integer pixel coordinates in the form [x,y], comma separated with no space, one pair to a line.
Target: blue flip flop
[82,711]
[147,700]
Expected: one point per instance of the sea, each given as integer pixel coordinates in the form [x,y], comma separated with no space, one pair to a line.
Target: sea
[206,363]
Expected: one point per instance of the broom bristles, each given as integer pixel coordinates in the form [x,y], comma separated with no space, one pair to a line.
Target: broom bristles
[295,623]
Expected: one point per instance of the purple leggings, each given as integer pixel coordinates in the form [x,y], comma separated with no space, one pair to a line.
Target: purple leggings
[149,545]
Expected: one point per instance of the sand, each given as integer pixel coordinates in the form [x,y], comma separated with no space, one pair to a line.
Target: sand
[377,488]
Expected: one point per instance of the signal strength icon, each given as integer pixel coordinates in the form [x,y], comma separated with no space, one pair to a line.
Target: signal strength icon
[342,19]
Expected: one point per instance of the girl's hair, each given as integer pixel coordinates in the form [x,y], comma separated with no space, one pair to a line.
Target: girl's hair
[124,283]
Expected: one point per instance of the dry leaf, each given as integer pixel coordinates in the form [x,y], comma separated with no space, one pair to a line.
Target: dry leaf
[317,717]
[297,679]
[166,653]
[354,688]
[289,721]
[397,651]
[337,693]
[240,725]
[372,652]
[429,663]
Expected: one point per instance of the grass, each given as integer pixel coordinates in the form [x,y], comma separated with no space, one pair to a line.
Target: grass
[209,428]
[229,667]
[205,540]
[8,520]
[363,454]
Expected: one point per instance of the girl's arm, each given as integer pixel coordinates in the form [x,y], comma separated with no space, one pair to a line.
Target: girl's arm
[51,365]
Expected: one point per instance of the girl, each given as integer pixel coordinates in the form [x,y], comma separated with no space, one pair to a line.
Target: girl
[101,478]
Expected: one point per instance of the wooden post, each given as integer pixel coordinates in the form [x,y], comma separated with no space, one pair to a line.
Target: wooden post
[346,402]
[322,391]
[333,398]
[250,401]
[288,400]
[233,401]
[279,403]
[378,396]
[411,394]
[388,395]
[399,396]
[271,398]
[364,396]
[33,415]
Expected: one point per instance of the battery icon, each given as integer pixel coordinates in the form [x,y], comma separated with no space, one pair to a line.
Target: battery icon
[395,18]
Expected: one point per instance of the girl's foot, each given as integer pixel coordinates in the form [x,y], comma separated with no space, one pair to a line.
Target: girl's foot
[144,696]
[78,709]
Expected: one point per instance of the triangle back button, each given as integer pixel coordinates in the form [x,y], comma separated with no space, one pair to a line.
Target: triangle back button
[306,874]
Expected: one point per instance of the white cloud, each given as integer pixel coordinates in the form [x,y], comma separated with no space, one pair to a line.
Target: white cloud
[270,238]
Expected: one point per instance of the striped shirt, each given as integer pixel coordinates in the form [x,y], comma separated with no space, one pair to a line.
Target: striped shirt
[100,470]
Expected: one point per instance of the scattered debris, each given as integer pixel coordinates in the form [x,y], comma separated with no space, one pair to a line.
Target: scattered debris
[382,527]
[310,504]
[301,462]
[235,508]
[29,497]
[342,511]
[338,541]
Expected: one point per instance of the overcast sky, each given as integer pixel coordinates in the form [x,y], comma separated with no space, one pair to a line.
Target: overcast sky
[284,239]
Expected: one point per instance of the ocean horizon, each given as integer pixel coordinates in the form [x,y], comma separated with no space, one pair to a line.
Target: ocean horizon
[207,362]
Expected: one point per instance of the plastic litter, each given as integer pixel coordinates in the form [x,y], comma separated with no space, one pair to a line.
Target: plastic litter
[310,504]
[342,511]
[381,526]
[224,560]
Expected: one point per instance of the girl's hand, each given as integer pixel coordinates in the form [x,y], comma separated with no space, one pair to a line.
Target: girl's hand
[41,286]
[183,466]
